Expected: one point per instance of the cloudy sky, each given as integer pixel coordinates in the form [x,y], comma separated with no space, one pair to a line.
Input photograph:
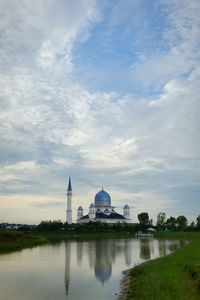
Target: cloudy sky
[104,91]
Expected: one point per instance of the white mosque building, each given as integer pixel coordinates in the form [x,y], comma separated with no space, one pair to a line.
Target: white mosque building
[99,211]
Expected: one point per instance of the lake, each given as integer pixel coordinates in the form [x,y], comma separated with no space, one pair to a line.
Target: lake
[75,270]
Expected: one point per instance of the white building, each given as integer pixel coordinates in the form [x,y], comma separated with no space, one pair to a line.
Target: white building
[102,211]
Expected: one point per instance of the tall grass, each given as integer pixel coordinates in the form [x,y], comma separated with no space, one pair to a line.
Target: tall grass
[174,277]
[15,240]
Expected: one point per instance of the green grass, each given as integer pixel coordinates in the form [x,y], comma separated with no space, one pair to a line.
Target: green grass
[15,240]
[177,235]
[84,235]
[174,277]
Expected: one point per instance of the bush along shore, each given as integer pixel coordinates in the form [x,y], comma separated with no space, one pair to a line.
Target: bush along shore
[16,240]
[11,240]
[176,276]
[50,231]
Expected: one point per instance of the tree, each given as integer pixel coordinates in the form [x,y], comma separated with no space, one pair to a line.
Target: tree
[161,218]
[182,222]
[143,218]
[198,222]
[50,225]
[191,227]
[171,223]
[151,222]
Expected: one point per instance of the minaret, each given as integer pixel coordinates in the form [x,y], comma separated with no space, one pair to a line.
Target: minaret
[92,212]
[127,212]
[69,203]
[79,212]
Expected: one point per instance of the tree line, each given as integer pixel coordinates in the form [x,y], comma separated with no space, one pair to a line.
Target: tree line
[169,224]
[85,227]
[145,223]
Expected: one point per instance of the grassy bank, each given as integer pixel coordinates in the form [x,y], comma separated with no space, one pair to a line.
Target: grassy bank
[176,276]
[186,235]
[59,236]
[15,240]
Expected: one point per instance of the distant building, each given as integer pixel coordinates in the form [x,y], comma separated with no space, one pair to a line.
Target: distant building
[99,211]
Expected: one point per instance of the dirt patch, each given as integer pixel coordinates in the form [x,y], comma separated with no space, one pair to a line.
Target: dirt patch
[124,285]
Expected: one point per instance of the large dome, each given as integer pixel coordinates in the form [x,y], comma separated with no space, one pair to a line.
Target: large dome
[102,198]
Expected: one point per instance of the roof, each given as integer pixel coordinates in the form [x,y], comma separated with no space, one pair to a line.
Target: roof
[116,216]
[102,198]
[84,217]
[126,206]
[69,185]
[101,216]
[104,216]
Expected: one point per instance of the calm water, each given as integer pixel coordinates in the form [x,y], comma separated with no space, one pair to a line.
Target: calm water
[75,270]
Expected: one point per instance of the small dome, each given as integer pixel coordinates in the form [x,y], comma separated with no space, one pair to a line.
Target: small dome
[80,208]
[126,206]
[92,205]
[102,198]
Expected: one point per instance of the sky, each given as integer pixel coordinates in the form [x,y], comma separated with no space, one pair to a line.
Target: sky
[106,92]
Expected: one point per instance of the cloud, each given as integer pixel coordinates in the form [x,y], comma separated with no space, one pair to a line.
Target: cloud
[180,54]
[44,32]
[48,204]
[142,148]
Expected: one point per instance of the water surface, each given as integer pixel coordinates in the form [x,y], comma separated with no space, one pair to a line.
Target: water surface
[75,270]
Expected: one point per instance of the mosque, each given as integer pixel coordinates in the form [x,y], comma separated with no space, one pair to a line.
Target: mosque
[99,211]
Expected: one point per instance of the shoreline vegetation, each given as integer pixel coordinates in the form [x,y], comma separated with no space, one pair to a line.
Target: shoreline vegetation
[11,240]
[176,276]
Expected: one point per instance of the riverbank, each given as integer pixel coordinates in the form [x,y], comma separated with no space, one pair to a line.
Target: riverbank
[61,236]
[15,240]
[176,276]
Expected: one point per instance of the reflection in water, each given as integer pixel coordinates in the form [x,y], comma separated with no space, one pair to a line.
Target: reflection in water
[165,246]
[79,252]
[103,261]
[90,269]
[106,252]
[145,251]
[173,247]
[162,247]
[67,265]
[102,254]
[127,252]
[91,254]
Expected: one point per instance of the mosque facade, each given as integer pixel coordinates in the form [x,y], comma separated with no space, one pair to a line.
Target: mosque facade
[101,210]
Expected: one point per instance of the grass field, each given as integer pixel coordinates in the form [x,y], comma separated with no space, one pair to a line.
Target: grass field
[51,236]
[174,277]
[15,240]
